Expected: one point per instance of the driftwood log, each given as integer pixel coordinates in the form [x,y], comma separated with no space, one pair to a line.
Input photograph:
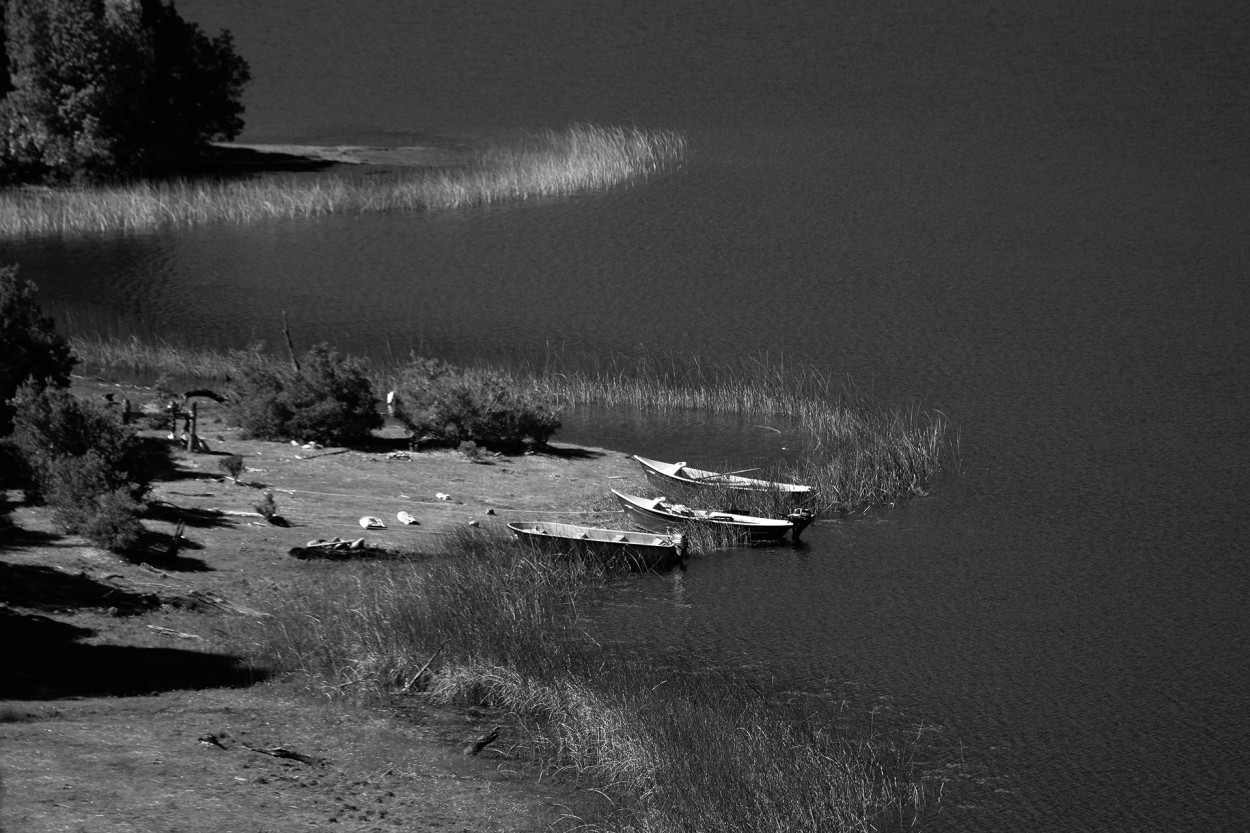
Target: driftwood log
[224,740]
[283,752]
[337,550]
[484,741]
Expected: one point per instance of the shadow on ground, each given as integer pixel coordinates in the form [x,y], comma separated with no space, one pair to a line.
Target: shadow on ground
[44,659]
[570,452]
[163,510]
[38,587]
[13,537]
[164,551]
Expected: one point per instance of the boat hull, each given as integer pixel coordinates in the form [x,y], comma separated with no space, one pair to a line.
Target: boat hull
[658,515]
[615,547]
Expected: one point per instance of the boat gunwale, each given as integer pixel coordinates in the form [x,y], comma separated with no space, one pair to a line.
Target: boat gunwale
[701,478]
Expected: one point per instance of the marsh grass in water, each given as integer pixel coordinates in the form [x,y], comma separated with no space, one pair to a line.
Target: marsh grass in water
[554,163]
[862,452]
[674,744]
[148,360]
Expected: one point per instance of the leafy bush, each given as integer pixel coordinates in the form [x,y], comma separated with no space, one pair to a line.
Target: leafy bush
[83,462]
[328,400]
[436,400]
[29,344]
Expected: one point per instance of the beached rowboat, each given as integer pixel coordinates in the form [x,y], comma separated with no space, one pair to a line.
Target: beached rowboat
[638,550]
[661,515]
[668,476]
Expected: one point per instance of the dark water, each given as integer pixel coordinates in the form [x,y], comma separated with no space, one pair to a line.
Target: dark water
[1030,216]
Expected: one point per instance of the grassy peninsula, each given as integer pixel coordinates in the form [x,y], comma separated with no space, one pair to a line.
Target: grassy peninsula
[552,163]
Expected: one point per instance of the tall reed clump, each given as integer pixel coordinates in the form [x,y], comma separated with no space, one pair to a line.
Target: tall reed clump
[553,163]
[675,746]
[150,358]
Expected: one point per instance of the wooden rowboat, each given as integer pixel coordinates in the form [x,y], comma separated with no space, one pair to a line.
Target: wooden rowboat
[638,550]
[668,476]
[661,515]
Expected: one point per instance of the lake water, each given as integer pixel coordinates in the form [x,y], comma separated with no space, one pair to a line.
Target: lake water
[1033,217]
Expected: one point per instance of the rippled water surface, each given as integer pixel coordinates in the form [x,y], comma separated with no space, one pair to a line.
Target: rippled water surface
[1029,216]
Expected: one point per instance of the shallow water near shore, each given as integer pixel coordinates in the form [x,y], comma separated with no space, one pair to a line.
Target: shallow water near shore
[1029,219]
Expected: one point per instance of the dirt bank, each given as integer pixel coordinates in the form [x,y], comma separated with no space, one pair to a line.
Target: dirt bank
[113,714]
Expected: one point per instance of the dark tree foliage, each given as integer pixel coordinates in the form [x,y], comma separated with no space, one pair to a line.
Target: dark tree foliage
[102,90]
[30,346]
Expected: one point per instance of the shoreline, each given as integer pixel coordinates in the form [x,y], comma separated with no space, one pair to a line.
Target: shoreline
[283,156]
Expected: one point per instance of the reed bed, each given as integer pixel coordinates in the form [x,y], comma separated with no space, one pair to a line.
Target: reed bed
[674,744]
[149,359]
[862,453]
[549,164]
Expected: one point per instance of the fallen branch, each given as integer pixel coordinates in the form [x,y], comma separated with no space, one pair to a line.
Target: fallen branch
[408,685]
[283,752]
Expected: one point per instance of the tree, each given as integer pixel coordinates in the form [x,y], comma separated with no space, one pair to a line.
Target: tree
[328,398]
[112,89]
[29,343]
[82,462]
[452,405]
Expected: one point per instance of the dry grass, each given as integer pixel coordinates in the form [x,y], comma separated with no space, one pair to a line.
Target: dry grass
[675,744]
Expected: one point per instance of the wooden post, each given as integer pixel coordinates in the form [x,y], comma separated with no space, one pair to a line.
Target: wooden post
[125,412]
[191,443]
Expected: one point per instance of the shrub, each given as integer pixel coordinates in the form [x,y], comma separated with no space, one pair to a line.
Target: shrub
[83,462]
[267,507]
[29,343]
[328,400]
[232,465]
[452,406]
[83,501]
